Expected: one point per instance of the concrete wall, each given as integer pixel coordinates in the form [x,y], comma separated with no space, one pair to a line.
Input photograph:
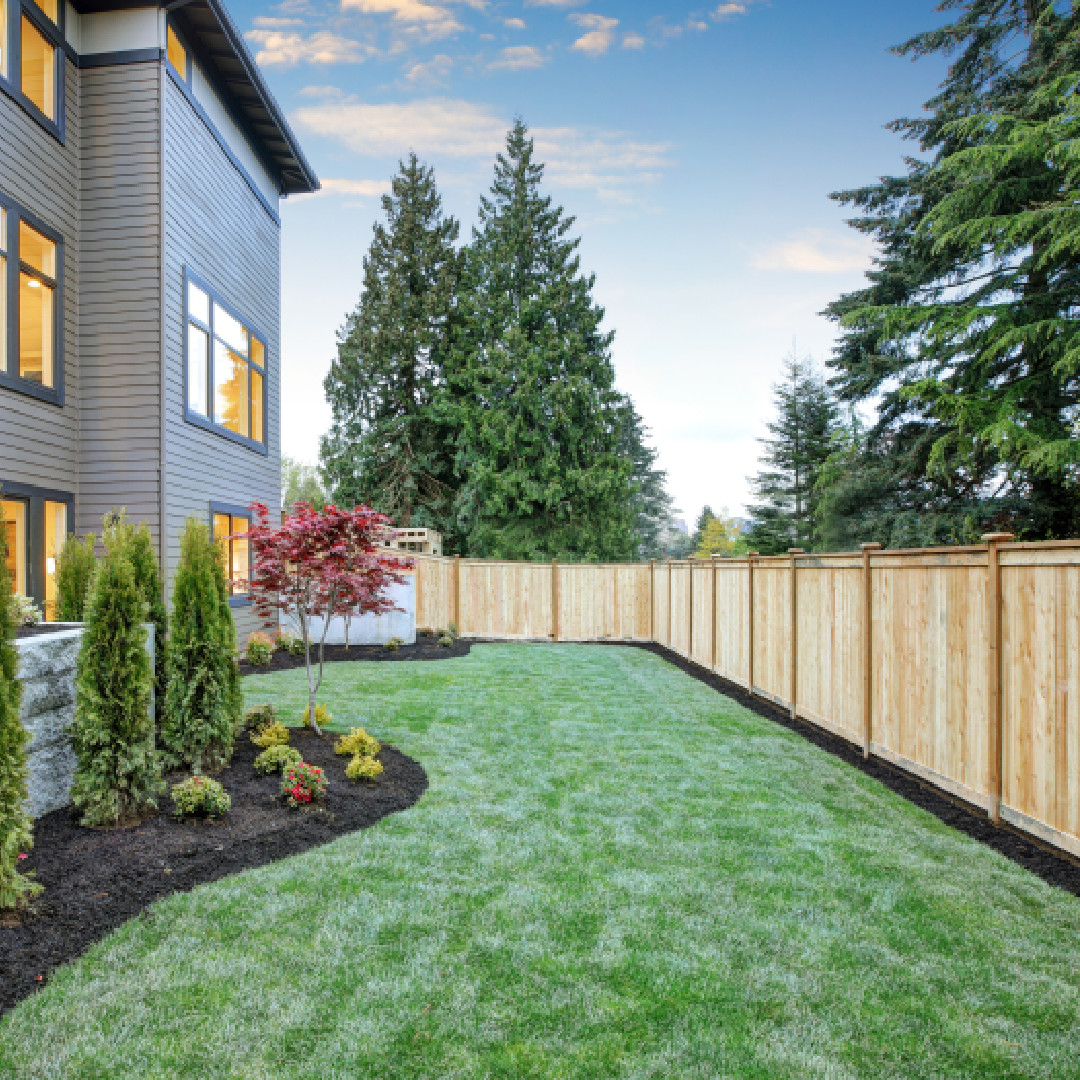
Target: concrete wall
[370,629]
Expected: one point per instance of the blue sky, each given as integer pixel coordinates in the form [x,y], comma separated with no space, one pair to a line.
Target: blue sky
[696,147]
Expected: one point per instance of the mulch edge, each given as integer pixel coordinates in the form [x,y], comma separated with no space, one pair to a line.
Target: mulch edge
[286,661]
[1055,867]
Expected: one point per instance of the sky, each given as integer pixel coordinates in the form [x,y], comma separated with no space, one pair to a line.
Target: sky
[696,148]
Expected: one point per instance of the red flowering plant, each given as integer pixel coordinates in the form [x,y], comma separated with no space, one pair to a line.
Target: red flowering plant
[302,784]
[321,563]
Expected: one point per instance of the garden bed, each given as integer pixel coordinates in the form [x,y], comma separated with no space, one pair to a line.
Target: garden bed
[96,879]
[427,647]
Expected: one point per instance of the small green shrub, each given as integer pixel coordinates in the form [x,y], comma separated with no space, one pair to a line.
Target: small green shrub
[258,717]
[200,797]
[275,759]
[446,641]
[393,644]
[358,741]
[282,640]
[260,649]
[24,612]
[296,646]
[302,784]
[323,715]
[275,734]
[363,768]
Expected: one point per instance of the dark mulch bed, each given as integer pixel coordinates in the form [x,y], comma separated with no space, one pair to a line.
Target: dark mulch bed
[427,647]
[96,879]
[1056,868]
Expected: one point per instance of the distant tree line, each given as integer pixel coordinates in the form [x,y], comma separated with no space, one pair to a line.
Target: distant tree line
[473,391]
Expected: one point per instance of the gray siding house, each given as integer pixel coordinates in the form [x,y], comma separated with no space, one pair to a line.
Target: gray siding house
[142,160]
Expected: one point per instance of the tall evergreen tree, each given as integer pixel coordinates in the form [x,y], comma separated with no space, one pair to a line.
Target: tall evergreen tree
[387,446]
[786,513]
[649,496]
[702,524]
[532,388]
[16,826]
[300,482]
[964,336]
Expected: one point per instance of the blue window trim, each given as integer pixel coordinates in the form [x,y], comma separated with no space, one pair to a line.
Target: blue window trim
[9,381]
[233,510]
[205,422]
[54,34]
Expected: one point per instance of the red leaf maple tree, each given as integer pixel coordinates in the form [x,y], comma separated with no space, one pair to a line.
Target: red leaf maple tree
[321,563]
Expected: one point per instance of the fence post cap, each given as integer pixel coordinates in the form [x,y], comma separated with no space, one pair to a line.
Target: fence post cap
[998,537]
[873,546]
[796,551]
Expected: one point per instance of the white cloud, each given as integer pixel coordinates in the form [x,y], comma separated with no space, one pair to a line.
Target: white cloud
[328,93]
[815,251]
[284,49]
[365,188]
[633,41]
[435,70]
[554,3]
[514,24]
[730,8]
[431,20]
[519,58]
[266,22]
[600,36]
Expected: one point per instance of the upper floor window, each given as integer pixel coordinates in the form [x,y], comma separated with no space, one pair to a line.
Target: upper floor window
[29,278]
[226,367]
[30,57]
[177,54]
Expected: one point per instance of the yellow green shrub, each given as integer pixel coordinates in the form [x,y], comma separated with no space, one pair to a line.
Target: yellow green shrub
[323,716]
[276,734]
[363,768]
[358,742]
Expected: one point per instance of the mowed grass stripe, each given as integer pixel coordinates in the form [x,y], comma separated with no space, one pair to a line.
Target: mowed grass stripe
[615,873]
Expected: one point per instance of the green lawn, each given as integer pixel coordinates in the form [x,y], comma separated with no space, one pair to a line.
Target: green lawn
[616,873]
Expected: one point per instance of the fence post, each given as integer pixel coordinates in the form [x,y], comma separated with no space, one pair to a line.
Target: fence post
[995,713]
[554,599]
[713,561]
[652,599]
[868,647]
[793,552]
[750,557]
[457,593]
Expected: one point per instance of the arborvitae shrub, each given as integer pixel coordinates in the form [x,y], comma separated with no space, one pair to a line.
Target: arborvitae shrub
[16,836]
[234,693]
[74,573]
[198,725]
[118,775]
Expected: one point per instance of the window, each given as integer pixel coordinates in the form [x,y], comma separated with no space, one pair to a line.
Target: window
[56,530]
[226,368]
[230,526]
[14,515]
[177,54]
[31,68]
[34,524]
[30,258]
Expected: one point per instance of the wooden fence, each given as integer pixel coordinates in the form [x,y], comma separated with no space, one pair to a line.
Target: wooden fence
[961,665]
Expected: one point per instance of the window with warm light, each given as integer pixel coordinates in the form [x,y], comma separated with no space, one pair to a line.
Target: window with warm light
[13,520]
[177,54]
[32,59]
[30,259]
[38,76]
[56,530]
[230,530]
[226,368]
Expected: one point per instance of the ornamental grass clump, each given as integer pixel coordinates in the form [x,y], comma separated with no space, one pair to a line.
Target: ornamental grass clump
[260,649]
[275,759]
[200,796]
[202,707]
[302,784]
[16,836]
[275,734]
[118,771]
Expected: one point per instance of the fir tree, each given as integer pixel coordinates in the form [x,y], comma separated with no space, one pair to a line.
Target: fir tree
[786,514]
[75,565]
[649,498]
[118,771]
[300,483]
[16,826]
[964,336]
[200,706]
[532,389]
[388,446]
[702,524]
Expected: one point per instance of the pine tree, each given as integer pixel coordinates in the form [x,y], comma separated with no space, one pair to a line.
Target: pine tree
[388,446]
[118,771]
[649,498]
[702,524]
[200,703]
[964,336]
[786,514]
[532,386]
[75,565]
[16,825]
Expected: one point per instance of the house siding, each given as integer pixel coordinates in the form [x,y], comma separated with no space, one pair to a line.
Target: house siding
[40,440]
[216,227]
[120,295]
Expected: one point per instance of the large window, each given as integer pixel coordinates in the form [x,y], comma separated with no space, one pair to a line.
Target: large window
[30,259]
[31,58]
[34,524]
[230,525]
[226,368]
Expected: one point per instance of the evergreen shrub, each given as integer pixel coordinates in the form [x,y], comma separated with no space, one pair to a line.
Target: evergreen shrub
[200,796]
[393,644]
[258,717]
[260,649]
[322,715]
[275,759]
[16,836]
[274,734]
[364,768]
[200,714]
[75,565]
[358,741]
[118,771]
